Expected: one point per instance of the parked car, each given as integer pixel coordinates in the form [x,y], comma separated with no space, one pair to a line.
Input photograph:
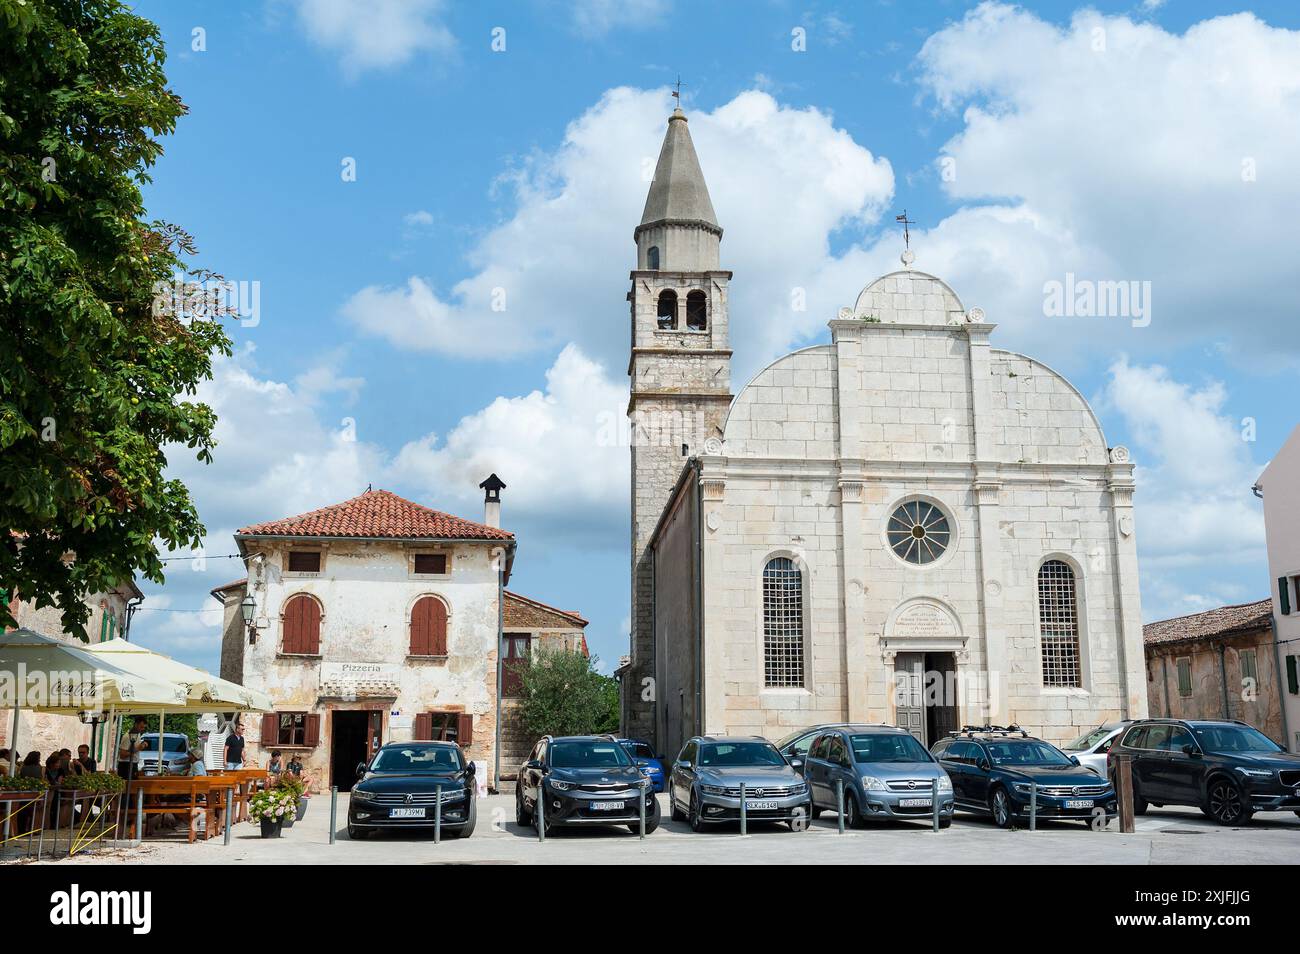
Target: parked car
[704,785]
[651,764]
[585,780]
[1091,747]
[175,754]
[994,772]
[401,786]
[885,772]
[1229,770]
[796,744]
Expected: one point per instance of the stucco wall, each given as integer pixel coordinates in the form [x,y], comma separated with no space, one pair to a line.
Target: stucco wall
[1258,703]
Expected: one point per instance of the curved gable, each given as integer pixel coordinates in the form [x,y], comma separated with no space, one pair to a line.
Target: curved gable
[1039,417]
[909,297]
[787,410]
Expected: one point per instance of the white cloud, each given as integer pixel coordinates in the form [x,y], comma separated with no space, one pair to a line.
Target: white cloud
[595,18]
[555,271]
[418,219]
[1132,148]
[1194,506]
[376,34]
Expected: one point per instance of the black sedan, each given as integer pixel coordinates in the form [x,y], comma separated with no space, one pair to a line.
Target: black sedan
[402,785]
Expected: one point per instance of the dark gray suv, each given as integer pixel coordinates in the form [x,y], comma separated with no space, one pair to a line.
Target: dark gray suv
[704,786]
[885,773]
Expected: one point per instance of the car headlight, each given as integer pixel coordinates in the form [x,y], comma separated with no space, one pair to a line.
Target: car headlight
[712,789]
[945,783]
[1255,773]
[361,795]
[559,784]
[798,788]
[872,784]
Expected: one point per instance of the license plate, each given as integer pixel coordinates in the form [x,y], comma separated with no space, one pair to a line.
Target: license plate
[1079,803]
[606,806]
[753,806]
[914,803]
[406,813]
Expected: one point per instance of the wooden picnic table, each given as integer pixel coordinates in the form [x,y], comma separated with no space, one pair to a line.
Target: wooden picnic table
[190,797]
[247,781]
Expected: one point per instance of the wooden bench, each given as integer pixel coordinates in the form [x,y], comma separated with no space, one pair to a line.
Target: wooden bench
[188,796]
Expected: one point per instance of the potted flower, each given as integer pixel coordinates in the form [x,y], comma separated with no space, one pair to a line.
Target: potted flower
[295,788]
[269,807]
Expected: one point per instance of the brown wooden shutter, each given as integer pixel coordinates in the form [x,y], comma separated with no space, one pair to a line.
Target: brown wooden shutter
[465,729]
[424,727]
[302,626]
[312,734]
[428,627]
[271,728]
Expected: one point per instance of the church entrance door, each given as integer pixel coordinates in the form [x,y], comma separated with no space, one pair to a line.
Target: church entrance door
[925,695]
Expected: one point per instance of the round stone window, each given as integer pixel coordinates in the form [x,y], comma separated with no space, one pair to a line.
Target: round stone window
[918,532]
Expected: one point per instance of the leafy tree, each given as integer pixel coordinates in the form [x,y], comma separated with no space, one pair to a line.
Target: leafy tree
[563,694]
[97,359]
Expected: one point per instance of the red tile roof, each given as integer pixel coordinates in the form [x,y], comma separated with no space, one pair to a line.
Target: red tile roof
[568,614]
[1220,621]
[377,513]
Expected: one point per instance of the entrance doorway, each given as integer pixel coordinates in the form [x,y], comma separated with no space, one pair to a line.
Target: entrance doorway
[354,738]
[925,695]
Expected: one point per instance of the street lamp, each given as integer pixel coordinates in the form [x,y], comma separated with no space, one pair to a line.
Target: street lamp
[247,608]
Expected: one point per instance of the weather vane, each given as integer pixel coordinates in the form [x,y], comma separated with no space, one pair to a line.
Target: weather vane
[677,93]
[907,236]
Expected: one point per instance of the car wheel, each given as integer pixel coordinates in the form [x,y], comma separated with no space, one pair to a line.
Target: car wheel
[945,822]
[814,812]
[652,819]
[355,833]
[1226,803]
[852,814]
[696,814]
[522,815]
[467,829]
[674,812]
[1000,804]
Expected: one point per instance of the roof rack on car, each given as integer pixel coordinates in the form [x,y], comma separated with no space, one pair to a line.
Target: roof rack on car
[970,731]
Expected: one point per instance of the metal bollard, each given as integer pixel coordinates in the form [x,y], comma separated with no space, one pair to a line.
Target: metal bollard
[139,819]
[644,791]
[230,811]
[1124,793]
[1033,805]
[541,810]
[934,803]
[839,802]
[437,813]
[744,814]
[334,812]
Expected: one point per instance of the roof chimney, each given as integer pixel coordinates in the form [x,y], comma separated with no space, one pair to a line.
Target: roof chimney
[492,488]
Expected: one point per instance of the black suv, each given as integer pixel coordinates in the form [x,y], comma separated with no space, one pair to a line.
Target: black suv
[585,780]
[402,784]
[1229,770]
[994,771]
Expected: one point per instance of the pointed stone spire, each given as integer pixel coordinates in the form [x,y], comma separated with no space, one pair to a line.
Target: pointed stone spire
[679,230]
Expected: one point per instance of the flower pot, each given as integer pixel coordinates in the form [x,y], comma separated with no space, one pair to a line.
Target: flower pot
[287,820]
[270,828]
[302,807]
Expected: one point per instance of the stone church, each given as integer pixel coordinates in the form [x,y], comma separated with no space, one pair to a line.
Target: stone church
[906,525]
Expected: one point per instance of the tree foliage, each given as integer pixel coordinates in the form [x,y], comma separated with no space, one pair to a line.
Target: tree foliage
[96,369]
[563,694]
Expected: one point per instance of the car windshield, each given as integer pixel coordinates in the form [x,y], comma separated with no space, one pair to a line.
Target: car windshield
[792,736]
[1026,752]
[639,750]
[1234,738]
[1089,739]
[739,754]
[171,743]
[418,760]
[888,748]
[588,753]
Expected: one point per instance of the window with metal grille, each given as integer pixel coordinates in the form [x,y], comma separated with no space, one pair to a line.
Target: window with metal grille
[782,624]
[304,561]
[1058,618]
[433,564]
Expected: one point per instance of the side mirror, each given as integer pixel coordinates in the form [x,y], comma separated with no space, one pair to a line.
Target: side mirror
[983,765]
[361,769]
[684,764]
[1074,760]
[469,768]
[533,764]
[1191,750]
[796,763]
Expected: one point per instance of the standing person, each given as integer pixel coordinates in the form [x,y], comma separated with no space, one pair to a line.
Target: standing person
[132,743]
[87,763]
[235,748]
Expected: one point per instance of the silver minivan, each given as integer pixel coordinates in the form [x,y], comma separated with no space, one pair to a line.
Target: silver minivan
[886,773]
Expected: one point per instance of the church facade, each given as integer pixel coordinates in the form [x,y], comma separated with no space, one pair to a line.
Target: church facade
[906,525]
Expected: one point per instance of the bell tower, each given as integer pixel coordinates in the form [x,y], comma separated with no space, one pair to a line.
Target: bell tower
[680,369]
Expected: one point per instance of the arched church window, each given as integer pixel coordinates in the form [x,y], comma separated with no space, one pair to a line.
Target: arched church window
[783,657]
[918,532]
[697,311]
[667,310]
[1058,620]
[652,258]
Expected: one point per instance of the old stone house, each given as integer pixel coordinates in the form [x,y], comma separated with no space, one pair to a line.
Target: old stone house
[1279,486]
[110,616]
[1219,664]
[375,619]
[905,525]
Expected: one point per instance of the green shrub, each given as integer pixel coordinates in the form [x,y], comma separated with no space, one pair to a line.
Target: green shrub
[94,783]
[273,804]
[19,783]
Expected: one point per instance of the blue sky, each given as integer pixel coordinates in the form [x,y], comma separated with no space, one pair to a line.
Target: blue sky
[1109,142]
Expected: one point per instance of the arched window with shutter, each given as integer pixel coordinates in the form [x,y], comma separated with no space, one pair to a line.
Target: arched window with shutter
[302,616]
[1058,621]
[783,649]
[429,627]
